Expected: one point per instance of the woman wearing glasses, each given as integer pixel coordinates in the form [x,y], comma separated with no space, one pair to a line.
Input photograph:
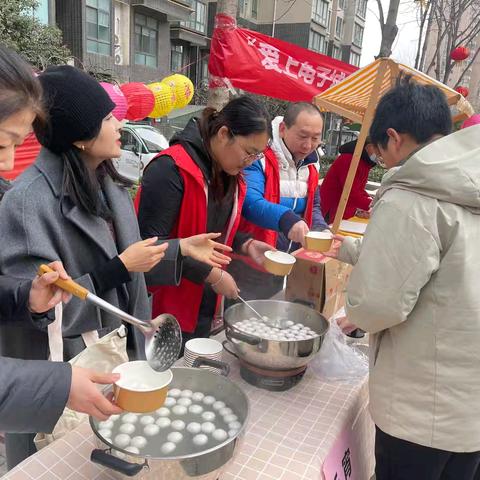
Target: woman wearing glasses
[194,187]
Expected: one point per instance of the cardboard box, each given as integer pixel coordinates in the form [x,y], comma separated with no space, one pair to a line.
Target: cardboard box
[319,281]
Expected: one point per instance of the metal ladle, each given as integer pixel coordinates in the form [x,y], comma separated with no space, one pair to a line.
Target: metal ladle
[163,336]
[280,323]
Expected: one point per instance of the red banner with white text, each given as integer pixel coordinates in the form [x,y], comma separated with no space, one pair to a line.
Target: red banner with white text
[264,65]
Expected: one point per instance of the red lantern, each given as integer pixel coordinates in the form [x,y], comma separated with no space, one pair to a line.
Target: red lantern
[140,100]
[460,54]
[464,91]
[118,98]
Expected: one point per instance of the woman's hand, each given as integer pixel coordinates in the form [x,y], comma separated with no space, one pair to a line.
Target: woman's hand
[345,325]
[203,248]
[362,213]
[44,295]
[143,256]
[336,245]
[256,250]
[223,283]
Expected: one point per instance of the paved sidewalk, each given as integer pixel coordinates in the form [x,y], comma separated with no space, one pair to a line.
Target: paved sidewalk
[3,462]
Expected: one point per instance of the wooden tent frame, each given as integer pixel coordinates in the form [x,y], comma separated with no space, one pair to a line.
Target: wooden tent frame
[366,117]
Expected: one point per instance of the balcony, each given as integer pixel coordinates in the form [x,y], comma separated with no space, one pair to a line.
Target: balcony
[174,9]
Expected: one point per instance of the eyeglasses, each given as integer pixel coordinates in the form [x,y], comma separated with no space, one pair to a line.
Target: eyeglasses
[252,157]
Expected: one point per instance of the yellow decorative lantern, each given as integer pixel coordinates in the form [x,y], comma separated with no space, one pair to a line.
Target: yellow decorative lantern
[183,88]
[164,99]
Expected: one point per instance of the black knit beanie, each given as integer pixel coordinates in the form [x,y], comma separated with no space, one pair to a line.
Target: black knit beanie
[76,104]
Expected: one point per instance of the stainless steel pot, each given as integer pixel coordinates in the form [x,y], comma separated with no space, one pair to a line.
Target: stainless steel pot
[274,354]
[206,464]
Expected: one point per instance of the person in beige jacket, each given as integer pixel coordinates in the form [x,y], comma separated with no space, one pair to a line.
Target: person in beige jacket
[415,289]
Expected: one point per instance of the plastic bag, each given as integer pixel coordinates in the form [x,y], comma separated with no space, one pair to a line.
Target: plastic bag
[338,361]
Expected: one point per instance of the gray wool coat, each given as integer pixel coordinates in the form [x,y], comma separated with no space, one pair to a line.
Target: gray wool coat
[41,225]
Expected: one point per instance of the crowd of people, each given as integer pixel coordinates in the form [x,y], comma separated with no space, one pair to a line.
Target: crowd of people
[235,184]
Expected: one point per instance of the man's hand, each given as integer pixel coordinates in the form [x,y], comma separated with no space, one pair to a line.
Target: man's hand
[336,245]
[44,295]
[298,232]
[85,397]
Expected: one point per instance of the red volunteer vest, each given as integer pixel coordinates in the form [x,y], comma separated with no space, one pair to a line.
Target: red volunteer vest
[272,194]
[184,301]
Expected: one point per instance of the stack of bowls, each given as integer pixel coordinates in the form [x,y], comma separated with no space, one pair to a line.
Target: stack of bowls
[202,347]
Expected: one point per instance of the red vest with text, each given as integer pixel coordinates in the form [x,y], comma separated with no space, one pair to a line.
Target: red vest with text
[184,300]
[272,194]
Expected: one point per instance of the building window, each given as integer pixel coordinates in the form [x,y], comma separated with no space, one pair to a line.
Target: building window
[254,9]
[146,40]
[362,8]
[242,8]
[336,53]
[339,26]
[98,27]
[316,42]
[41,11]
[176,58]
[320,12]
[198,18]
[341,4]
[355,59]
[357,34]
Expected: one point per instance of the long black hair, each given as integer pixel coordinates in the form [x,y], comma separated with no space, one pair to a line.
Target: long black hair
[242,116]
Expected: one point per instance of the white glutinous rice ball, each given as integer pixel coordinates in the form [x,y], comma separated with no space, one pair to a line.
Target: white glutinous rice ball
[114,418]
[197,396]
[151,430]
[289,323]
[208,416]
[174,392]
[133,450]
[208,427]
[184,401]
[105,433]
[122,440]
[200,439]
[168,447]
[209,400]
[147,420]
[232,432]
[194,428]
[220,435]
[218,405]
[225,411]
[230,418]
[138,441]
[175,437]
[127,428]
[107,424]
[234,425]
[169,402]
[186,393]
[179,410]
[163,412]
[163,422]
[130,418]
[178,425]
[195,409]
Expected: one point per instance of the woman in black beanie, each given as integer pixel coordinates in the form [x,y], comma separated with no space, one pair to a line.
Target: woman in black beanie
[73,205]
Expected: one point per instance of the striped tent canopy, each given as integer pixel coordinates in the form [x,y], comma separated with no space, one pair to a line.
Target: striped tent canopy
[350,97]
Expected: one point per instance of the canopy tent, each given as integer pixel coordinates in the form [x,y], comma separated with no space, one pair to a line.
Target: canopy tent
[357,96]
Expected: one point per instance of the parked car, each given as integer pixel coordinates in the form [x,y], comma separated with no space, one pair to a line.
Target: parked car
[140,144]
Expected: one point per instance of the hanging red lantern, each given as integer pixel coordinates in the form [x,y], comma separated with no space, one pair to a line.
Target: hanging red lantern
[140,100]
[459,54]
[464,91]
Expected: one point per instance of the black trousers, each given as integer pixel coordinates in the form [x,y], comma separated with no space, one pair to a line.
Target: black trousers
[398,459]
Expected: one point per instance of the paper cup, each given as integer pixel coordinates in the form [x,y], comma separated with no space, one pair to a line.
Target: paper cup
[319,241]
[279,263]
[140,388]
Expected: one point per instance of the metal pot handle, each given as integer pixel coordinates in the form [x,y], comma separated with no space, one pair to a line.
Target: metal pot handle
[244,337]
[104,458]
[226,346]
[222,366]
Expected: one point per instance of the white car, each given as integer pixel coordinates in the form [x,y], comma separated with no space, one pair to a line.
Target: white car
[140,144]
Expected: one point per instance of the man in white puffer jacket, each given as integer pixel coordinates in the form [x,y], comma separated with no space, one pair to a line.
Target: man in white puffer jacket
[283,201]
[415,288]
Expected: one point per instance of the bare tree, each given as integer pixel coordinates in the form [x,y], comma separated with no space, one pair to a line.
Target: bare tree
[388,26]
[219,96]
[449,25]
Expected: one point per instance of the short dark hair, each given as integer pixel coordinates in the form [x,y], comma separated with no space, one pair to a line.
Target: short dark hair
[294,109]
[19,88]
[421,111]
